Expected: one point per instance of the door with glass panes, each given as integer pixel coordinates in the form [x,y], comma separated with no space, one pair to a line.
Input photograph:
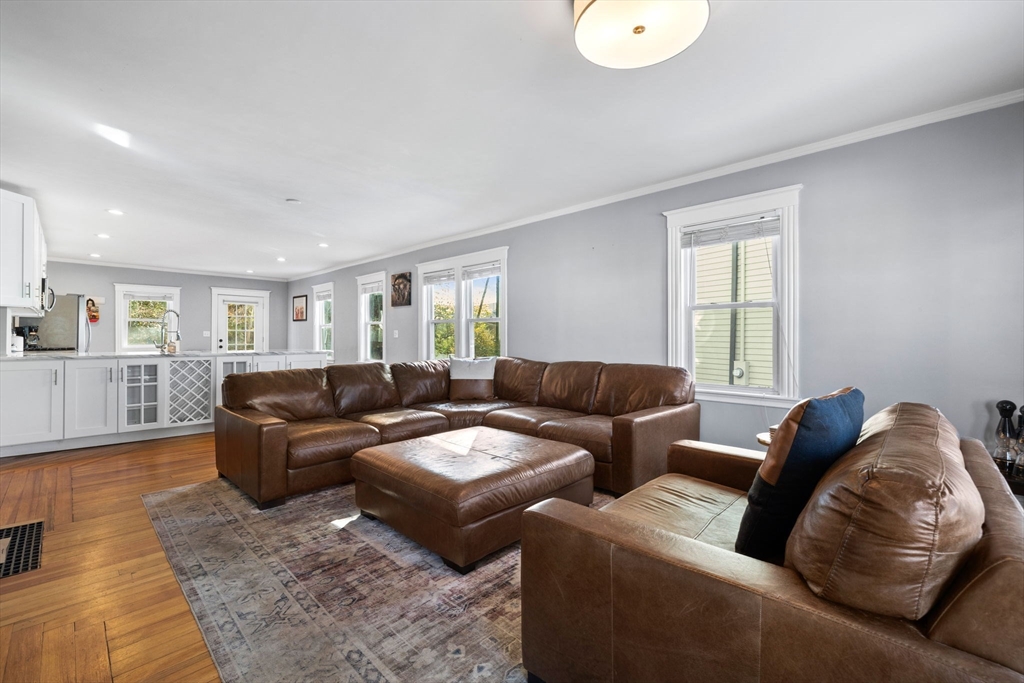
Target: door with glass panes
[240,324]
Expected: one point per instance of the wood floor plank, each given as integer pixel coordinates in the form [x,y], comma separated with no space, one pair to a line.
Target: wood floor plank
[92,662]
[59,655]
[105,592]
[25,656]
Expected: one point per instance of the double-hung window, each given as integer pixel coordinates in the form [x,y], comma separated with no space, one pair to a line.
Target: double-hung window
[323,318]
[141,312]
[462,310]
[732,297]
[371,312]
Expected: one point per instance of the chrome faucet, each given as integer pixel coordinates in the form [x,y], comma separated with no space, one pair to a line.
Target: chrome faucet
[164,332]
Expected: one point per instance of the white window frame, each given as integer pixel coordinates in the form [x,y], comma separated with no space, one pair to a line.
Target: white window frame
[463,319]
[784,201]
[121,294]
[317,324]
[363,321]
[258,296]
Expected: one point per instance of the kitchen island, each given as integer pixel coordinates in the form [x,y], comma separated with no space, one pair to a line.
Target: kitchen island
[52,401]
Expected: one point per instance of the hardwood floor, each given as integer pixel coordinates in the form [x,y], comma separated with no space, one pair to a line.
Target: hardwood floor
[104,605]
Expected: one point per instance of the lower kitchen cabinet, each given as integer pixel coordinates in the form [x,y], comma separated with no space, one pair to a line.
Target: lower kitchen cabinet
[90,398]
[189,396]
[230,365]
[138,395]
[31,402]
[306,360]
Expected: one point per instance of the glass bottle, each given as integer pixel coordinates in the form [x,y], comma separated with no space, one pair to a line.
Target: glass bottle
[1006,436]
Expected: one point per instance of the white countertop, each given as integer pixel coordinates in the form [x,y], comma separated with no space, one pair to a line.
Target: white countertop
[94,355]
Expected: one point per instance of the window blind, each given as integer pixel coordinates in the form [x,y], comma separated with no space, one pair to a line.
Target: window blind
[367,288]
[733,232]
[481,270]
[439,276]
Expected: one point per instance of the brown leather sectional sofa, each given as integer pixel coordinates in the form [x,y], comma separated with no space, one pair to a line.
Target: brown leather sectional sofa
[649,589]
[291,431]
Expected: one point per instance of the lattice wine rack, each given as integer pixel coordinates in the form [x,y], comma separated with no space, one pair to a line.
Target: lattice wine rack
[189,391]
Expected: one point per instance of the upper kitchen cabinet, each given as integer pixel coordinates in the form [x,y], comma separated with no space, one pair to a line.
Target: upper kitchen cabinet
[22,254]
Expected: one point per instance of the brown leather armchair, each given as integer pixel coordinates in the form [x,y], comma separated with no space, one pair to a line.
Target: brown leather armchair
[649,589]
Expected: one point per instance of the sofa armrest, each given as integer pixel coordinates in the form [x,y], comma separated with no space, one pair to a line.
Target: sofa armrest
[725,465]
[606,598]
[640,442]
[252,451]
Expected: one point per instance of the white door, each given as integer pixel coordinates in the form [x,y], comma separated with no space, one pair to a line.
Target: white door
[90,398]
[139,395]
[31,401]
[241,323]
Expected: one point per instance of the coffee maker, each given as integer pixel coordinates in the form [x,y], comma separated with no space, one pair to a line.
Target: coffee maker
[30,333]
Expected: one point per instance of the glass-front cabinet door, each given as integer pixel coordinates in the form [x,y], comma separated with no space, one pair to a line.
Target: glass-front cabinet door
[139,394]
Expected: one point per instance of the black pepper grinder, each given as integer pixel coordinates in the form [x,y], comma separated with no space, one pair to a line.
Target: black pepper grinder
[1006,435]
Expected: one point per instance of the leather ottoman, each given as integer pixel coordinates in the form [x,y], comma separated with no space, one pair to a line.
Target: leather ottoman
[461,494]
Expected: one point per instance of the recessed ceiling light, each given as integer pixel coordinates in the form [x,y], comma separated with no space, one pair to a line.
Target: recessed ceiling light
[291,200]
[103,236]
[248,271]
[116,212]
[115,135]
[280,258]
[323,244]
[94,255]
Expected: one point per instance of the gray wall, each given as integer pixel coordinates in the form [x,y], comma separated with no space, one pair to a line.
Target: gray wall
[196,311]
[911,275]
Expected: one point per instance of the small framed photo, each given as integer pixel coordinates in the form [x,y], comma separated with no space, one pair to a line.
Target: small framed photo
[299,308]
[401,289]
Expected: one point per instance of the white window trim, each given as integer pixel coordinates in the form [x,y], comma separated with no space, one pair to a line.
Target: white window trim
[263,295]
[681,221]
[457,263]
[121,344]
[317,289]
[370,279]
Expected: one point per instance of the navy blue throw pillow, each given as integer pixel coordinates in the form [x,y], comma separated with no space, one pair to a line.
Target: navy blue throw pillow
[814,434]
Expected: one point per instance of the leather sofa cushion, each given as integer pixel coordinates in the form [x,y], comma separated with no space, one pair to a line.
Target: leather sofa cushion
[422,381]
[463,414]
[518,379]
[627,387]
[464,476]
[361,387]
[814,434]
[325,439]
[398,424]
[687,506]
[892,520]
[570,385]
[527,419]
[592,432]
[285,394]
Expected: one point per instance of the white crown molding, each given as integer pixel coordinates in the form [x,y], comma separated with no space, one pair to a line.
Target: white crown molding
[207,273]
[831,143]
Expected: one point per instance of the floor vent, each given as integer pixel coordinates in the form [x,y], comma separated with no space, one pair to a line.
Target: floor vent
[24,546]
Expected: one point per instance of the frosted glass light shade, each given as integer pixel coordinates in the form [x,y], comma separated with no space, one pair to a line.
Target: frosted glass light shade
[628,34]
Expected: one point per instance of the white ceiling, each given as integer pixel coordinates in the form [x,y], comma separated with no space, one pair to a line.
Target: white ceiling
[400,123]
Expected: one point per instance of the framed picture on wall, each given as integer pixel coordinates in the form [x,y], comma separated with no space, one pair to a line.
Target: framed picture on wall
[401,289]
[299,308]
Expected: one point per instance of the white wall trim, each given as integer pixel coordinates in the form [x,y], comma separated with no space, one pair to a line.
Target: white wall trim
[901,125]
[681,221]
[262,295]
[208,273]
[317,290]
[121,311]
[362,349]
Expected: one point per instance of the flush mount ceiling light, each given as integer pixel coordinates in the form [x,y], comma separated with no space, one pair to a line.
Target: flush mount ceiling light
[115,135]
[629,34]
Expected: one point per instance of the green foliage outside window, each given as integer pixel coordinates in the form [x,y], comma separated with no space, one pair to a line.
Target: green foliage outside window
[144,321]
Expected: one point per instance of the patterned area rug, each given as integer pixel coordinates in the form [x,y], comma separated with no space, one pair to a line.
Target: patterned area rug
[311,591]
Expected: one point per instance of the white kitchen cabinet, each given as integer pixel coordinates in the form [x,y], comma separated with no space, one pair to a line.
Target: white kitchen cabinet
[31,402]
[305,360]
[21,254]
[140,385]
[269,362]
[231,365]
[189,394]
[90,398]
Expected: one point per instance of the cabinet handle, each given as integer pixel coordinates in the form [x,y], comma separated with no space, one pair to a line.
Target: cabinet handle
[110,373]
[28,289]
[121,374]
[55,377]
